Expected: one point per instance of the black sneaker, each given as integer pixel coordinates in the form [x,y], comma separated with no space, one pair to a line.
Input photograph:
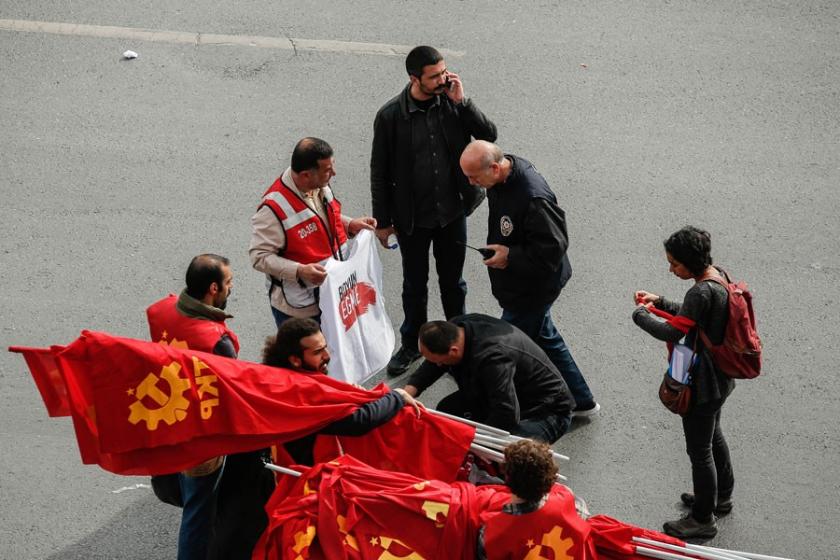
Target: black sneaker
[723,507]
[402,360]
[690,528]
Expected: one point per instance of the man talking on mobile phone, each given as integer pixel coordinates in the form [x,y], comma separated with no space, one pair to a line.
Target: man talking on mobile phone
[418,190]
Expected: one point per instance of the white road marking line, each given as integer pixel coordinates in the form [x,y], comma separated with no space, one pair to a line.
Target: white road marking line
[192,38]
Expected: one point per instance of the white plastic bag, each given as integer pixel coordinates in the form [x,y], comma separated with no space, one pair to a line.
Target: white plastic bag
[359,333]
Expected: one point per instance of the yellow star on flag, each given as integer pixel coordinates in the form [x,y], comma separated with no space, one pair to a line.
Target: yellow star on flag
[374,541]
[130,392]
[530,543]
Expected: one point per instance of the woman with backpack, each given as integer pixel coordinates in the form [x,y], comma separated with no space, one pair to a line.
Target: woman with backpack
[705,307]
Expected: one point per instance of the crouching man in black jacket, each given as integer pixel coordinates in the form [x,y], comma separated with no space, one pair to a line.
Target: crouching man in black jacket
[504,379]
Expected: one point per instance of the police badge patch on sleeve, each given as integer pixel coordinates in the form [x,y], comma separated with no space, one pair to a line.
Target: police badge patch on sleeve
[506,226]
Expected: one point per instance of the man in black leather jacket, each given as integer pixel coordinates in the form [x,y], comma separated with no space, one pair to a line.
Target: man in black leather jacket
[418,190]
[504,379]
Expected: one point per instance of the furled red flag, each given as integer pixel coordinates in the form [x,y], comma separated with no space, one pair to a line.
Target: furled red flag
[393,446]
[613,538]
[144,408]
[292,520]
[679,322]
[366,513]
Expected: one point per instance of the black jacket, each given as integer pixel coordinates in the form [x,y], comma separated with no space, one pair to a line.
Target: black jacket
[504,376]
[392,164]
[525,217]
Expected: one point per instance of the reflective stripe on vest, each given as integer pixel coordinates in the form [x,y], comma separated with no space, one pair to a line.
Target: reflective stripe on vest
[309,238]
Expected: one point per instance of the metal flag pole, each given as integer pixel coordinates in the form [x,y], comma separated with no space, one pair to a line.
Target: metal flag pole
[702,554]
[748,555]
[284,470]
[477,425]
[661,554]
[487,454]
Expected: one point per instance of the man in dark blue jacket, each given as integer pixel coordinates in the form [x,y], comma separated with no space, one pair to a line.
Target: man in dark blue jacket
[529,267]
[418,191]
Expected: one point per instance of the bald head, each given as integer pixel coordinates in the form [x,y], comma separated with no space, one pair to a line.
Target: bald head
[484,164]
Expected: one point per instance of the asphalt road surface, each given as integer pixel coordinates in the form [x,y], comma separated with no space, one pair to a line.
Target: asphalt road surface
[643,116]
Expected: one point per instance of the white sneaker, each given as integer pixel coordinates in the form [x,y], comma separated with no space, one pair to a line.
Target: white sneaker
[586,413]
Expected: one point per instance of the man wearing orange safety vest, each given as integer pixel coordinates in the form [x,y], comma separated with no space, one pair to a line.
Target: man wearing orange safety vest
[196,320]
[297,226]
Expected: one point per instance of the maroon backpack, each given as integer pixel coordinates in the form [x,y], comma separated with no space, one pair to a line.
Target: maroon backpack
[739,355]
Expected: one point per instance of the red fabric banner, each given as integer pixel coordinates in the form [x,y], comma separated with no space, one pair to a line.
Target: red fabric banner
[144,408]
[613,538]
[44,368]
[363,512]
[394,446]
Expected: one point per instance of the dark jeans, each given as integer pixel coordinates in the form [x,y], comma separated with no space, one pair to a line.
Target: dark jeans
[198,494]
[449,263]
[537,324]
[241,518]
[711,469]
[548,429]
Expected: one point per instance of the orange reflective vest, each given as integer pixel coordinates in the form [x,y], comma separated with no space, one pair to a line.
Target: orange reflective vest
[169,326]
[308,238]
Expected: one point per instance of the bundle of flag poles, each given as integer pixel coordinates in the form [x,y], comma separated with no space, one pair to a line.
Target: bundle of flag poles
[665,551]
[489,443]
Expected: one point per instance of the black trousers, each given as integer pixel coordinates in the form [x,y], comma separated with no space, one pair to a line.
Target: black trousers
[711,468]
[446,244]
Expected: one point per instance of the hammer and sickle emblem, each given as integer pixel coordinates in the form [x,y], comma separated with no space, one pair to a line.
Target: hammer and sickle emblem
[552,541]
[385,542]
[172,407]
[435,509]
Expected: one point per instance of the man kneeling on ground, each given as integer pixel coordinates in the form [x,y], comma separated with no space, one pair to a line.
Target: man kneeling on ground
[504,379]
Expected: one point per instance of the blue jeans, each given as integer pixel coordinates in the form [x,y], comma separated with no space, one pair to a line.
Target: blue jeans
[548,429]
[280,317]
[537,324]
[198,494]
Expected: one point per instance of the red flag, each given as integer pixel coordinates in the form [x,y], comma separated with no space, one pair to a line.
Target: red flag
[367,513]
[429,447]
[143,408]
[613,538]
[41,362]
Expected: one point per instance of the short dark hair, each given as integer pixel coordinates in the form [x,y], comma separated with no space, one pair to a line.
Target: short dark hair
[308,152]
[438,336]
[286,342]
[529,469]
[203,271]
[691,247]
[419,58]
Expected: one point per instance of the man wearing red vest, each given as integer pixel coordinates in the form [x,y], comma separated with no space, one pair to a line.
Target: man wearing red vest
[297,226]
[196,320]
[541,516]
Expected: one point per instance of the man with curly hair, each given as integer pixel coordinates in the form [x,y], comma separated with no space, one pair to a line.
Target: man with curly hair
[540,514]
